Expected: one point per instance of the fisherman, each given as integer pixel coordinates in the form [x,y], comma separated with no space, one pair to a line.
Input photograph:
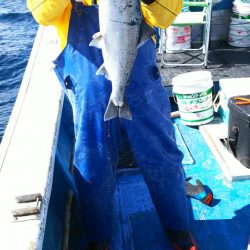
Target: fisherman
[150,131]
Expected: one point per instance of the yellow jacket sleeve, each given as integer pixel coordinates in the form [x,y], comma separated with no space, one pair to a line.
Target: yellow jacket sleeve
[47,12]
[161,13]
[52,12]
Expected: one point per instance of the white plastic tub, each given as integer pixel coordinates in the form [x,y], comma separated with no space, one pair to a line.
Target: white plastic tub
[193,92]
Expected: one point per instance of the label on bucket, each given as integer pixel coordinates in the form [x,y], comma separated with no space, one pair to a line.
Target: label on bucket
[196,108]
[198,117]
[195,102]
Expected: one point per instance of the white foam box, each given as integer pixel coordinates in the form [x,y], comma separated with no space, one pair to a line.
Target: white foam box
[230,87]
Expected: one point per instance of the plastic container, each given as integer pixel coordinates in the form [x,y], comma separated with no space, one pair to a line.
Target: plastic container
[222,5]
[220,22]
[229,87]
[240,25]
[193,93]
[239,131]
[242,8]
[178,38]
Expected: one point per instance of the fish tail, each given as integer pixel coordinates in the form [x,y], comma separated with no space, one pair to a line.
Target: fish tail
[124,111]
[111,111]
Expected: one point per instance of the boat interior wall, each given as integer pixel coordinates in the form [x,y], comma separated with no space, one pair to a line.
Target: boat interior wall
[27,151]
[220,22]
[58,229]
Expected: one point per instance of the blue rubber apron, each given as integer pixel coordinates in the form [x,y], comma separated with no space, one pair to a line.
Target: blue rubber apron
[97,142]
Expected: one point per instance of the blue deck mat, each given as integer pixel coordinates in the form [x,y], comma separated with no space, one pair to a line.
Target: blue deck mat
[223,225]
[187,159]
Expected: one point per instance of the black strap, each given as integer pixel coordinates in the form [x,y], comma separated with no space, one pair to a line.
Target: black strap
[147,1]
[73,2]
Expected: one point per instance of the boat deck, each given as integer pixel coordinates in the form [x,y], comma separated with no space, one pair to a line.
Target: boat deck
[223,225]
[224,61]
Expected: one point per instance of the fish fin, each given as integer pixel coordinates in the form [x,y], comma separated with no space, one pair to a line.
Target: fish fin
[111,111]
[97,40]
[102,71]
[97,34]
[124,111]
[145,32]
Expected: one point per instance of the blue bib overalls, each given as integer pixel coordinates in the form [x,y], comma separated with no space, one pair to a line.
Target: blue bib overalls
[97,142]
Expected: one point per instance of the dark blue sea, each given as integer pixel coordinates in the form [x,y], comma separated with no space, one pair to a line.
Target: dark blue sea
[17,33]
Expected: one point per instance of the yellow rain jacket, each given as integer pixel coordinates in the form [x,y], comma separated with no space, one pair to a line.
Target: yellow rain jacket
[160,13]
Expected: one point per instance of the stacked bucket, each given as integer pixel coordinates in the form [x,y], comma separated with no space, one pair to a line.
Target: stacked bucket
[239,32]
[178,38]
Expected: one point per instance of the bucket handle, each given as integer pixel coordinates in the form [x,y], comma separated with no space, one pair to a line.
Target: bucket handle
[175,99]
[217,105]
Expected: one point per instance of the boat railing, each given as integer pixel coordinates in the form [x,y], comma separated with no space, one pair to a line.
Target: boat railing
[27,151]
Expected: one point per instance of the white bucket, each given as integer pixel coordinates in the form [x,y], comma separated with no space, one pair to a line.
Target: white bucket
[241,8]
[240,25]
[239,38]
[239,32]
[173,31]
[178,38]
[173,47]
[193,92]
[242,1]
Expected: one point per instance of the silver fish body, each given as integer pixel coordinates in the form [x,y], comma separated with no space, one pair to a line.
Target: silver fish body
[122,30]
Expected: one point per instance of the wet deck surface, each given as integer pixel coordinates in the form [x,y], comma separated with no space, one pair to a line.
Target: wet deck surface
[223,225]
[224,61]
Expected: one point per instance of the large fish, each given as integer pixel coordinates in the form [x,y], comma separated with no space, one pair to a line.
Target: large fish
[122,30]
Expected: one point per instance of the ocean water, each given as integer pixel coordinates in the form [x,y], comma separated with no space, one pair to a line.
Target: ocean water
[17,33]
